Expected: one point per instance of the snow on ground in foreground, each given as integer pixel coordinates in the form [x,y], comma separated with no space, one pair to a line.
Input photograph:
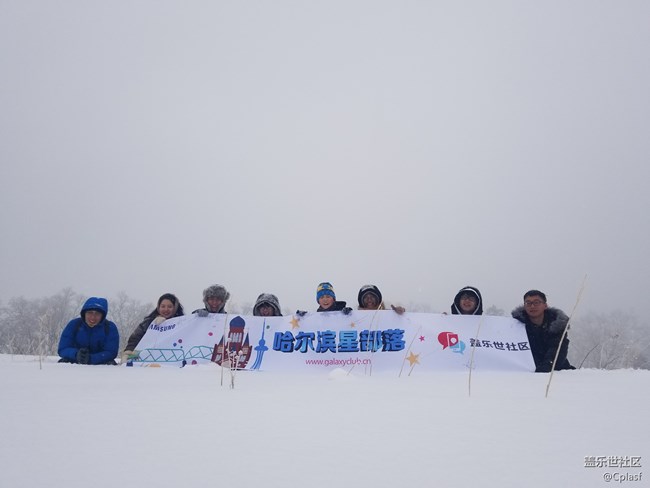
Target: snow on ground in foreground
[101,426]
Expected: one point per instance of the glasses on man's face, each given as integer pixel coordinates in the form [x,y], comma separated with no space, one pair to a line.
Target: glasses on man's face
[533,303]
[468,297]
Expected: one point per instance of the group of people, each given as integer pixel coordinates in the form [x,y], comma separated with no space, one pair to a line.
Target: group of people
[93,339]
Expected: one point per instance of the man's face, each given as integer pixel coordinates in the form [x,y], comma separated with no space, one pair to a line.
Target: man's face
[213,304]
[92,317]
[534,306]
[468,303]
[326,301]
[370,301]
[266,310]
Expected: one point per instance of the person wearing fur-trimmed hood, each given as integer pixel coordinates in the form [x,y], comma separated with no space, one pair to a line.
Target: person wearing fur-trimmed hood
[544,327]
[214,299]
[267,305]
[90,338]
[468,301]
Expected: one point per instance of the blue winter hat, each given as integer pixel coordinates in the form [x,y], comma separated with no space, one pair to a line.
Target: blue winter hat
[95,303]
[325,289]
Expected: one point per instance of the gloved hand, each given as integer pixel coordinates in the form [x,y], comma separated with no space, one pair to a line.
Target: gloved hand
[301,313]
[398,310]
[83,356]
[202,313]
[129,356]
[346,310]
[544,368]
[159,320]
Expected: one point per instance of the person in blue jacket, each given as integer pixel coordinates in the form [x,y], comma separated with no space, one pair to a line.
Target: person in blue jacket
[90,339]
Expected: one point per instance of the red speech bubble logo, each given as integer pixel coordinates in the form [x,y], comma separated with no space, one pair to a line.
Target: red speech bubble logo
[448,339]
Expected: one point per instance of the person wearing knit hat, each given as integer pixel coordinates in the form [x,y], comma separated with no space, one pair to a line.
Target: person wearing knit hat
[370,299]
[214,298]
[326,299]
[468,301]
[267,305]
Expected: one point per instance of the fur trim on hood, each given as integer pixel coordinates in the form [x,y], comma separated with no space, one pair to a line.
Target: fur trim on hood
[216,291]
[555,320]
[268,299]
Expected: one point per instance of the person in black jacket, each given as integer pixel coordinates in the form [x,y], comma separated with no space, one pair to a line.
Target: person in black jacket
[468,301]
[327,302]
[214,299]
[326,299]
[370,298]
[544,327]
[168,306]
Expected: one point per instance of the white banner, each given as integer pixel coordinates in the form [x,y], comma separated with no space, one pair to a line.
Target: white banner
[381,341]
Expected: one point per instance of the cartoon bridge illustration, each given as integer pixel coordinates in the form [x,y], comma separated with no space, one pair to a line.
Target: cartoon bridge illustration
[175,355]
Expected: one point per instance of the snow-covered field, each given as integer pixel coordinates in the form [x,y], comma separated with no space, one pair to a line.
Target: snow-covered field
[75,426]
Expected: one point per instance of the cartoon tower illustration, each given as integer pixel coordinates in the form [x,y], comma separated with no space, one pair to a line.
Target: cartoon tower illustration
[260,349]
[235,347]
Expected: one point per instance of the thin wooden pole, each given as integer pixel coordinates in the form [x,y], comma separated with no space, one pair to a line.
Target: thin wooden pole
[225,343]
[471,359]
[409,350]
[566,327]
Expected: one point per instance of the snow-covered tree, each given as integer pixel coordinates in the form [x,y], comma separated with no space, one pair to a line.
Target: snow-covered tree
[127,313]
[34,326]
[609,341]
[494,310]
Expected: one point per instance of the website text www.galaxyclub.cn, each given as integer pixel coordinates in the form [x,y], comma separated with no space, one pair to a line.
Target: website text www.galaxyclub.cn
[352,361]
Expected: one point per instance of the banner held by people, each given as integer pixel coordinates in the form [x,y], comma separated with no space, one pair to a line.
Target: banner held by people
[318,341]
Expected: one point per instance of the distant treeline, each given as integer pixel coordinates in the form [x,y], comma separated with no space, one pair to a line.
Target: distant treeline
[610,340]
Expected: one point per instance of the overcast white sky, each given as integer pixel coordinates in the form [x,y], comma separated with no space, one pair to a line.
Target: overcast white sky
[157,146]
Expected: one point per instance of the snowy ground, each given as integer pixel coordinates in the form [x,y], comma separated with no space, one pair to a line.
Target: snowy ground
[100,426]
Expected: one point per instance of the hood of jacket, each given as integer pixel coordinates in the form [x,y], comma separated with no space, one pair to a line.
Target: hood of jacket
[455,307]
[269,299]
[95,303]
[369,289]
[555,320]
